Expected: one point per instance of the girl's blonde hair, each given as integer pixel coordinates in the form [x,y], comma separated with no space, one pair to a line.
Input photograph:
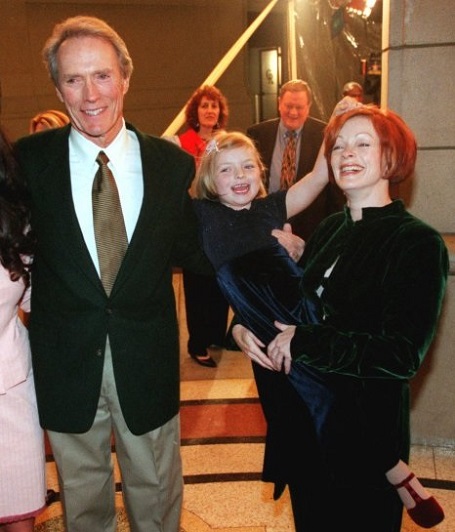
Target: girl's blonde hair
[205,187]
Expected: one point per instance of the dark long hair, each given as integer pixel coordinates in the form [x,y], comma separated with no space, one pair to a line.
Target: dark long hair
[16,238]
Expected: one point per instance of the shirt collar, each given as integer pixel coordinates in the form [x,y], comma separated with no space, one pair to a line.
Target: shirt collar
[373,213]
[283,130]
[86,150]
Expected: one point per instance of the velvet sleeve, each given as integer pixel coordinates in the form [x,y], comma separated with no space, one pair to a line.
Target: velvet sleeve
[407,306]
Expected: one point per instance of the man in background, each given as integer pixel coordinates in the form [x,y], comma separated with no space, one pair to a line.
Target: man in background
[354,90]
[305,133]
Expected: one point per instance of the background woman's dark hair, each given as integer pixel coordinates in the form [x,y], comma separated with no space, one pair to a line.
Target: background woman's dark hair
[16,237]
[212,93]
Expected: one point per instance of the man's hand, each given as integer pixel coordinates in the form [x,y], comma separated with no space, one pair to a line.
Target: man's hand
[293,244]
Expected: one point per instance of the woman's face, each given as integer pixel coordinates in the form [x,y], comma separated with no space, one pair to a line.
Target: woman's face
[237,177]
[208,113]
[356,159]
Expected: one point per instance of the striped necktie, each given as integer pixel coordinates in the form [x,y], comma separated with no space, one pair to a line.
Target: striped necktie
[288,164]
[110,234]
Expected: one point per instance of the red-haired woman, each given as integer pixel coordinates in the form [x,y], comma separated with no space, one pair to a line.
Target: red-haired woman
[206,308]
[378,275]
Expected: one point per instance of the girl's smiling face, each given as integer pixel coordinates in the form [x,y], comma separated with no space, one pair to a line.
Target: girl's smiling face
[237,177]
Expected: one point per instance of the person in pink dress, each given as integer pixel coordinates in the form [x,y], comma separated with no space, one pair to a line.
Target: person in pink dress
[22,455]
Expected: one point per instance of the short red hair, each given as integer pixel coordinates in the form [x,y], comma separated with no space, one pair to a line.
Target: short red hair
[397,141]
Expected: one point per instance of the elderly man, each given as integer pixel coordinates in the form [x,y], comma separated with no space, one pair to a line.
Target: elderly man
[112,214]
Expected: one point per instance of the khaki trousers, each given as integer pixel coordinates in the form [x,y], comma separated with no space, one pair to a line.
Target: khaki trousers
[150,466]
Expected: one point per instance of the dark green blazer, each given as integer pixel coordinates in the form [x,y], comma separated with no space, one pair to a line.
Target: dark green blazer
[71,314]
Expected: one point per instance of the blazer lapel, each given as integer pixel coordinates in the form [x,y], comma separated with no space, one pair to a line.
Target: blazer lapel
[55,183]
[150,212]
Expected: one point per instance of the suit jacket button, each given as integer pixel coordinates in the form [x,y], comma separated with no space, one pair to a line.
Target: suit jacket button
[99,352]
[109,311]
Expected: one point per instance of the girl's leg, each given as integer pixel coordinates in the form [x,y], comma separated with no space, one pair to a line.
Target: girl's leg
[421,506]
[313,388]
[317,392]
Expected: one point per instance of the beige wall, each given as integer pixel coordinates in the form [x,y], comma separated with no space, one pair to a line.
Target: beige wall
[174,46]
[420,86]
[433,390]
[418,83]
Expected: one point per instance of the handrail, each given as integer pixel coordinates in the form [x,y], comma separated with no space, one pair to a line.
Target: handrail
[219,69]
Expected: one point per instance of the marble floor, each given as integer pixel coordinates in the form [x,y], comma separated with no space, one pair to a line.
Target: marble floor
[222,449]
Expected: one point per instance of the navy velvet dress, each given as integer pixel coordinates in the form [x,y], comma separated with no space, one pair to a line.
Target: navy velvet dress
[261,281]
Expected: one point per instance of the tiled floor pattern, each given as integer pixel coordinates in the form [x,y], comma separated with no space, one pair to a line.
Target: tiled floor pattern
[222,449]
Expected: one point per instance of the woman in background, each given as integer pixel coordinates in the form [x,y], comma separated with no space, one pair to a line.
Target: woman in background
[48,120]
[22,457]
[206,308]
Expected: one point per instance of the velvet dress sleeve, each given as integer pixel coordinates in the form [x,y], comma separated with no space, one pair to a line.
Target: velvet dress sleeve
[381,303]
[255,273]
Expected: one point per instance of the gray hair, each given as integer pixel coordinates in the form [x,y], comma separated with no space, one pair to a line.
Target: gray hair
[352,85]
[84,26]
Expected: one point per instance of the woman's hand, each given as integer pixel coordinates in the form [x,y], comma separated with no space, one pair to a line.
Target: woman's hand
[251,346]
[279,349]
[293,244]
[346,104]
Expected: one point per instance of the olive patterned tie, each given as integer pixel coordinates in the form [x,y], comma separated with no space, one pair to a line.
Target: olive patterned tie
[288,164]
[110,232]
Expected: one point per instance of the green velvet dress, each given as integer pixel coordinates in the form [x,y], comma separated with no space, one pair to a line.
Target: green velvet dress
[380,303]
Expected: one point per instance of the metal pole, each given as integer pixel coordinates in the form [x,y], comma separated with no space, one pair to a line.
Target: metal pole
[216,73]
[292,52]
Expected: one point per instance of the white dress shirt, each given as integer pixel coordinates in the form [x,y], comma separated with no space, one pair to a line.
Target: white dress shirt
[124,162]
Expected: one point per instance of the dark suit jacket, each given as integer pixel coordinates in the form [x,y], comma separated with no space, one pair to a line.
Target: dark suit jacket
[71,313]
[330,200]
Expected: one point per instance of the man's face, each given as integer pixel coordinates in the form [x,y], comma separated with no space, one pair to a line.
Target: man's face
[294,109]
[91,85]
